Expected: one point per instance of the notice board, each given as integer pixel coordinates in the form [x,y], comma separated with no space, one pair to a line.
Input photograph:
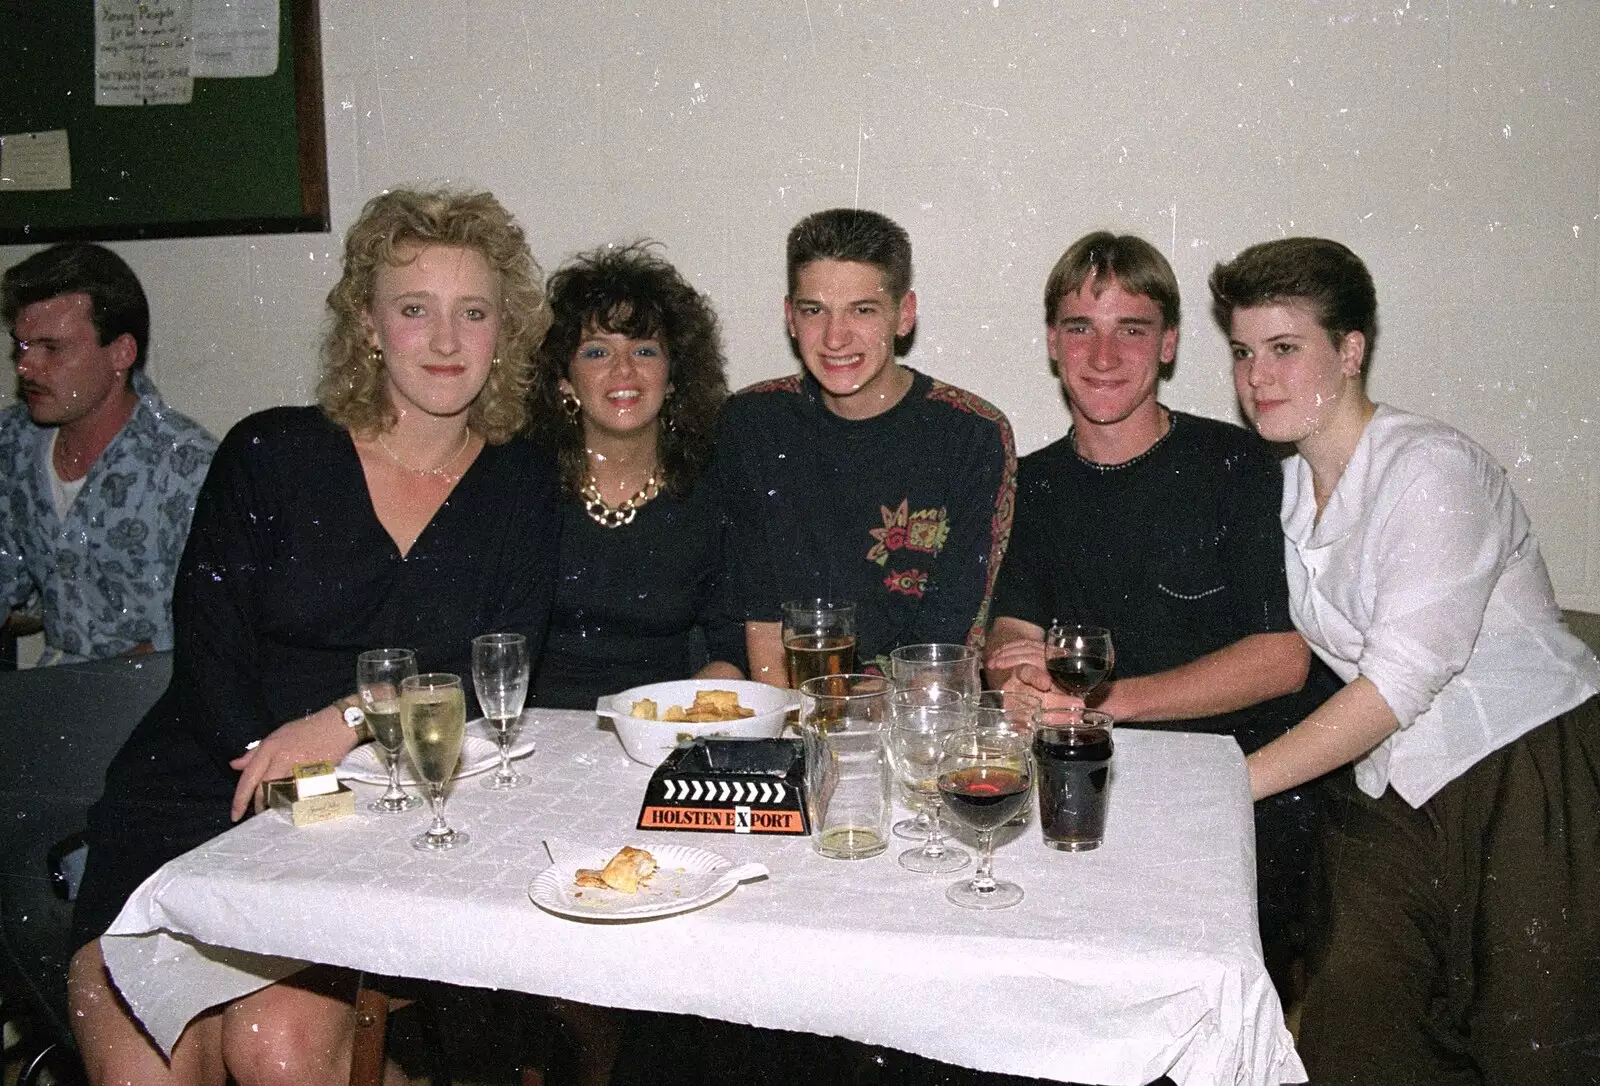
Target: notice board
[240,156]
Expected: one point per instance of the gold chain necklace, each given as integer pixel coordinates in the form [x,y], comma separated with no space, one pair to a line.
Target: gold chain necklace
[439,470]
[615,516]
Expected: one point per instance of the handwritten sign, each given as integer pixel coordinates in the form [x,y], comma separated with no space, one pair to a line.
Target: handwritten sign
[235,38]
[35,160]
[142,52]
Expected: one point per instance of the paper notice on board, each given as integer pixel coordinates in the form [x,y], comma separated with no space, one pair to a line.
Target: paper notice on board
[235,38]
[141,53]
[36,161]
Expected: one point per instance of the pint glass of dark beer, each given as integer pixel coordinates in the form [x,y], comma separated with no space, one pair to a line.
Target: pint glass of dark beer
[1072,748]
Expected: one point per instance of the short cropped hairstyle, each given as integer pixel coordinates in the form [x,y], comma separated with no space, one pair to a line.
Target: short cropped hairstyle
[861,237]
[1095,259]
[352,390]
[117,305]
[1325,275]
[630,291]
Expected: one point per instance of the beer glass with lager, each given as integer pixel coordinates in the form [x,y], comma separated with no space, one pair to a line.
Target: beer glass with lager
[819,638]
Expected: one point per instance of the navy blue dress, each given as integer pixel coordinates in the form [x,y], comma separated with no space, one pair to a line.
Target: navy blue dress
[287,576]
[641,603]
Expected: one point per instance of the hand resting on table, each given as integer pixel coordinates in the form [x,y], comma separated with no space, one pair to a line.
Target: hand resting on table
[320,737]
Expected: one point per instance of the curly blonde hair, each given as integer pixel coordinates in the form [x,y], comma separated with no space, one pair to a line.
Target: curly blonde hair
[353,387]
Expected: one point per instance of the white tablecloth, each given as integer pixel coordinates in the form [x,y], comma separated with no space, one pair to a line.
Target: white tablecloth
[1123,964]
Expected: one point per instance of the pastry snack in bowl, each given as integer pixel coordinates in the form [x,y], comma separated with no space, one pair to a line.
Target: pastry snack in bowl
[649,729]
[708,707]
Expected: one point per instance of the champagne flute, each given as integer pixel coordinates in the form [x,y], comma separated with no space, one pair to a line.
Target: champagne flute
[433,715]
[984,777]
[1078,658]
[918,728]
[378,676]
[500,677]
[819,638]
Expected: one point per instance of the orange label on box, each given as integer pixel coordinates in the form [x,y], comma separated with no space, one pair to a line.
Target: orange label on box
[722,819]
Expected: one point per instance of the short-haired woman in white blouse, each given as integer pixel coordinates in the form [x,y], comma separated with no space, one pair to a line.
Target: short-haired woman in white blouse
[1465,865]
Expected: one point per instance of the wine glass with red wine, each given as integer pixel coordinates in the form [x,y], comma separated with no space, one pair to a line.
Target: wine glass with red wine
[1078,658]
[985,778]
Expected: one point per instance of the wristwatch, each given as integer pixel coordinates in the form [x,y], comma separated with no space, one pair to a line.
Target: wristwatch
[356,720]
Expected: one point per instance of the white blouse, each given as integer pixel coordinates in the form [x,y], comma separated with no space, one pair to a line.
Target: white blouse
[1424,575]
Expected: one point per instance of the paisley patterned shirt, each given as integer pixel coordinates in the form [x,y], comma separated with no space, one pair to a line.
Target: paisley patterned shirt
[103,573]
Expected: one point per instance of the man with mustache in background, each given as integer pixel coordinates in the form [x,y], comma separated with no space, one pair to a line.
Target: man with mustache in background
[97,474]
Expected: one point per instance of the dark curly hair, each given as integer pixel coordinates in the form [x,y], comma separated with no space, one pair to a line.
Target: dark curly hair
[630,291]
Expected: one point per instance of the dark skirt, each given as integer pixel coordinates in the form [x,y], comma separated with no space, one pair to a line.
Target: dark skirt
[1464,944]
[164,796]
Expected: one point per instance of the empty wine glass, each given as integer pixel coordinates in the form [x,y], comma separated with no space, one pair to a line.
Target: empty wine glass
[945,671]
[378,675]
[1002,709]
[500,678]
[953,667]
[1078,658]
[433,715]
[984,778]
[918,728]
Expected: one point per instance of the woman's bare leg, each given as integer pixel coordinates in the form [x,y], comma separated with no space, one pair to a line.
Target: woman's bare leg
[117,1051]
[298,1032]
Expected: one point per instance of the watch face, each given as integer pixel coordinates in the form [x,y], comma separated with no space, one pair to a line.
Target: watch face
[354,717]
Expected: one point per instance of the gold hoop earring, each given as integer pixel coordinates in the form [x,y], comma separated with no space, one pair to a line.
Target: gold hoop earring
[494,363]
[571,406]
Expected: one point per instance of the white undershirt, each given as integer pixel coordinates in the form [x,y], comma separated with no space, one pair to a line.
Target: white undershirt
[62,493]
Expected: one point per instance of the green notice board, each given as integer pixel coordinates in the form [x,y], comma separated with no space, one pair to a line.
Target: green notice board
[244,156]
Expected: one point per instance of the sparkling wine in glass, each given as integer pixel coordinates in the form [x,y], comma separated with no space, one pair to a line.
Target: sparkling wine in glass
[819,638]
[918,728]
[984,778]
[500,677]
[1078,658]
[378,676]
[433,716]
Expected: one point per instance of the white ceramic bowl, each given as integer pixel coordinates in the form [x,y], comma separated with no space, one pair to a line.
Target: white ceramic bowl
[650,741]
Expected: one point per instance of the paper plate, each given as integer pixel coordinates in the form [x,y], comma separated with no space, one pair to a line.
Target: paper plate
[686,878]
[479,754]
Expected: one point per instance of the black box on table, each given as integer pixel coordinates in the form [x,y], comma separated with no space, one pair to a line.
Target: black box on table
[729,786]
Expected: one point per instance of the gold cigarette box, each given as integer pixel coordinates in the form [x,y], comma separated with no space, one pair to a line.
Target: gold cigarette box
[314,779]
[281,794]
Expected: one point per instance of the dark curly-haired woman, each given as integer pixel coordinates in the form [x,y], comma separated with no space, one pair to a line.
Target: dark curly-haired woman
[627,386]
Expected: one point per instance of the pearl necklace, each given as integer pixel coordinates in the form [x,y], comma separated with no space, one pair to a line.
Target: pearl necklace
[615,516]
[439,469]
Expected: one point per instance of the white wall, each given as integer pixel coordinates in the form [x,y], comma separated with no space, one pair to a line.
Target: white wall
[1452,143]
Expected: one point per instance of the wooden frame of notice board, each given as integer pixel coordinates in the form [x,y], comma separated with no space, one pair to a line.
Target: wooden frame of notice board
[244,156]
